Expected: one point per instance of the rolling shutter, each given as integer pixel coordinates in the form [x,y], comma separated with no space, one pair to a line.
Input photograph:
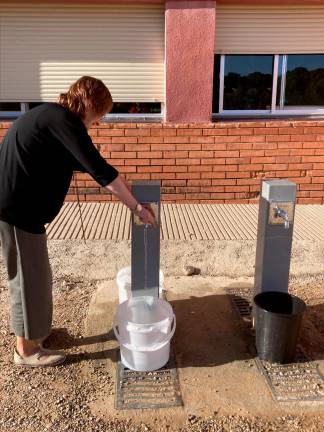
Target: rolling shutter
[45,48]
[269,29]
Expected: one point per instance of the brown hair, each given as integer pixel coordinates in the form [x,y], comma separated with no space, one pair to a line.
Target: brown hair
[87,93]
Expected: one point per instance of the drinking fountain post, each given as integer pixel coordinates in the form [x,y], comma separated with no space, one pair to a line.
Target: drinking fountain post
[274,238]
[145,244]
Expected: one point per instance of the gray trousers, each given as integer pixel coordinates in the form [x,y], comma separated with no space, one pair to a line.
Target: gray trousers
[30,281]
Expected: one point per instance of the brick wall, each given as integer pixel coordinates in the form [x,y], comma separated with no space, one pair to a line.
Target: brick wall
[210,162]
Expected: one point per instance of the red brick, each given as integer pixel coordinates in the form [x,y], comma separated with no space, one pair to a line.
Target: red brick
[150,140]
[163,161]
[235,188]
[189,132]
[188,161]
[173,168]
[313,158]
[149,154]
[174,182]
[173,125]
[314,130]
[117,147]
[311,186]
[127,169]
[176,140]
[224,196]
[213,175]
[277,152]
[101,140]
[187,189]
[158,176]
[149,169]
[111,132]
[309,200]
[188,146]
[318,165]
[139,162]
[251,167]
[288,159]
[136,147]
[290,145]
[239,160]
[300,166]
[286,174]
[265,146]
[317,194]
[201,140]
[276,167]
[200,182]
[277,138]
[304,138]
[225,168]
[313,144]
[240,174]
[239,146]
[197,196]
[227,139]
[213,132]
[251,153]
[223,182]
[163,132]
[253,139]
[215,147]
[301,152]
[240,131]
[125,155]
[119,162]
[227,154]
[200,168]
[170,147]
[214,189]
[266,131]
[139,176]
[248,182]
[291,130]
[138,132]
[201,154]
[318,151]
[173,197]
[263,160]
[126,140]
[149,125]
[175,154]
[318,179]
[191,175]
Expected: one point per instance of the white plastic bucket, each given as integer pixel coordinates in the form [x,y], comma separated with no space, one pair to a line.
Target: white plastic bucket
[123,280]
[144,327]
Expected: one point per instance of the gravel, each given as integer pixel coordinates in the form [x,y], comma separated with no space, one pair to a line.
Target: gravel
[58,399]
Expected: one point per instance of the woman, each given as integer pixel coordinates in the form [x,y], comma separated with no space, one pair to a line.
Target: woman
[37,158]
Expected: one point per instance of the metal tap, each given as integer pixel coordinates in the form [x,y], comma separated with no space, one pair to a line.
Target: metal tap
[282,214]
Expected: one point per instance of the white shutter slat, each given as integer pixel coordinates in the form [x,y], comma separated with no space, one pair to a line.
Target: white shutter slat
[44,48]
[269,30]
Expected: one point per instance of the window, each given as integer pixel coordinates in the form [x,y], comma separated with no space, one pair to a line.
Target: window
[268,84]
[121,110]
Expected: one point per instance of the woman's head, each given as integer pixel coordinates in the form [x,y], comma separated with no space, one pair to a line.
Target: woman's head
[87,95]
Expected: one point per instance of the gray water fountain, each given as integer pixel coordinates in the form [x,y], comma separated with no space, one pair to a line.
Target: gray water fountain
[274,237]
[145,248]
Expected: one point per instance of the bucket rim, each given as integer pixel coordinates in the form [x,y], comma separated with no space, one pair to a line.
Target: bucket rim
[164,303]
[301,302]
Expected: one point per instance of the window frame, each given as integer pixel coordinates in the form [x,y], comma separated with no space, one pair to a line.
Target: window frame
[12,115]
[274,111]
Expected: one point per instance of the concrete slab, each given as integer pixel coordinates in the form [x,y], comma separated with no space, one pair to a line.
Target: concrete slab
[216,370]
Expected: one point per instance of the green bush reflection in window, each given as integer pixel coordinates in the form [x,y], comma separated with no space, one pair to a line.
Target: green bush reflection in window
[248,82]
[304,80]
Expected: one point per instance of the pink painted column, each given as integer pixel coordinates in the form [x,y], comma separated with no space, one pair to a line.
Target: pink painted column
[190,40]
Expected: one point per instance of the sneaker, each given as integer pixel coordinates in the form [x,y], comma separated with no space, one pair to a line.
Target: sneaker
[41,358]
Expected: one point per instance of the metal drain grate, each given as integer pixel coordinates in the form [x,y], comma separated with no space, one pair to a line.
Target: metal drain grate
[158,389]
[299,381]
[241,300]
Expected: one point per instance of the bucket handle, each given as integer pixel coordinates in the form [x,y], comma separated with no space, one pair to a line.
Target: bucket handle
[154,347]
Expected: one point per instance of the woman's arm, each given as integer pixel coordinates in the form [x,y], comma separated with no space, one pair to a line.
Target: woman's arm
[121,189]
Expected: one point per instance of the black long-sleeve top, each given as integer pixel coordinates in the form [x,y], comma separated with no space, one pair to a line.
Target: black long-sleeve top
[37,158]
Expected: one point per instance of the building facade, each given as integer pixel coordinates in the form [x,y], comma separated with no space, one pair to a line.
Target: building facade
[210,97]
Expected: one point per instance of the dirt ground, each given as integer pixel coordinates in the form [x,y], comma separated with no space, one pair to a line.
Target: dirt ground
[69,397]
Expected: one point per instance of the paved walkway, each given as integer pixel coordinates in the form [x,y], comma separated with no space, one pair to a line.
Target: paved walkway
[111,221]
